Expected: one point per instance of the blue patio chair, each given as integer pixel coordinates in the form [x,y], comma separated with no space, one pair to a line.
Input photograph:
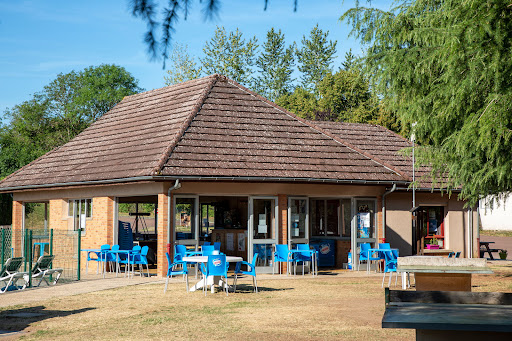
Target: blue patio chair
[390,263]
[101,256]
[216,245]
[141,259]
[451,254]
[207,250]
[251,271]
[216,266]
[385,246]
[283,255]
[111,257]
[365,257]
[172,270]
[206,243]
[457,254]
[123,258]
[304,256]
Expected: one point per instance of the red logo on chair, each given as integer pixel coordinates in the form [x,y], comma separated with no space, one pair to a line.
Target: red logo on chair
[325,249]
[217,262]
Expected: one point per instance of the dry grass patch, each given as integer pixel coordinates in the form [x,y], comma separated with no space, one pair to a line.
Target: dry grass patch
[346,306]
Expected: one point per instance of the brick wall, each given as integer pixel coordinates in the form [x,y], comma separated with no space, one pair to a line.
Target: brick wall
[17,227]
[163,216]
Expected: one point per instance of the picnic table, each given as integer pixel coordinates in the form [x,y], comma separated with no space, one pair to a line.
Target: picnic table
[487,249]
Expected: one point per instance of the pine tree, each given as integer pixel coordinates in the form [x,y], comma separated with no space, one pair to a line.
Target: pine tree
[275,67]
[230,55]
[183,67]
[446,66]
[315,57]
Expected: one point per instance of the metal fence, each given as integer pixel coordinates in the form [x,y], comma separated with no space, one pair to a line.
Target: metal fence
[5,243]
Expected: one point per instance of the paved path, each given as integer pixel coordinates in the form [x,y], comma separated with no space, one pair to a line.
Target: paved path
[89,284]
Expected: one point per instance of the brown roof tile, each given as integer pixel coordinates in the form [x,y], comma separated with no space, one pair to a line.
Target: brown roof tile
[213,127]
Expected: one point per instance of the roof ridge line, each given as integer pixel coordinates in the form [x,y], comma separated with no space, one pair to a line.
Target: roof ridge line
[322,131]
[177,137]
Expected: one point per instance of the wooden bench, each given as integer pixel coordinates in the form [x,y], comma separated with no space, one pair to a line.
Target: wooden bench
[450,315]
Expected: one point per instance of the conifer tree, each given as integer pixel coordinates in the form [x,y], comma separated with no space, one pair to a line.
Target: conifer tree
[275,67]
[446,66]
[315,57]
[183,66]
[230,55]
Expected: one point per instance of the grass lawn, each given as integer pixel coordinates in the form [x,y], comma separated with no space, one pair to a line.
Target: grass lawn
[496,233]
[343,305]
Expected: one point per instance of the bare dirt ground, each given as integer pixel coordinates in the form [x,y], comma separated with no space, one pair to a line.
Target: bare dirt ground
[336,305]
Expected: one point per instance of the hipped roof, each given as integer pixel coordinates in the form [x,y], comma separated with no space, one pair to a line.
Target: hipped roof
[212,128]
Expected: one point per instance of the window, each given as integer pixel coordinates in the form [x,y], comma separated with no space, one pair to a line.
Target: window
[80,210]
[330,217]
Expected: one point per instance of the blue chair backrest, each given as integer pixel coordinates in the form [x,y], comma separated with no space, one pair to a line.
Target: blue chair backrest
[390,264]
[216,245]
[395,253]
[457,254]
[384,246]
[282,251]
[136,248]
[207,250]
[304,247]
[254,259]
[111,257]
[181,250]
[144,250]
[364,247]
[217,265]
[125,238]
[105,247]
[206,243]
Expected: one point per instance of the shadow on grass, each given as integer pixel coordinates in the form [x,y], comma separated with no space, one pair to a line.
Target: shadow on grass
[249,289]
[17,320]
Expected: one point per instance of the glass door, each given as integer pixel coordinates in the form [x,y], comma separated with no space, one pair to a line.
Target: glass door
[298,221]
[186,219]
[363,226]
[263,213]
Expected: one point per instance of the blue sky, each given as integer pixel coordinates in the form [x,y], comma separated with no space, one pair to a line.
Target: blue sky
[41,39]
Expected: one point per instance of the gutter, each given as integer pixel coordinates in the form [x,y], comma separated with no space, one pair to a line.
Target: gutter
[176,185]
[384,209]
[198,178]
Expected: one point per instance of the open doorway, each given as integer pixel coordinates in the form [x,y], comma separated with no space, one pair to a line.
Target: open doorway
[137,224]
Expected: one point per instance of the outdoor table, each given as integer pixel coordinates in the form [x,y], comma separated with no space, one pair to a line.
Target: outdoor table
[487,249]
[441,274]
[129,254]
[313,254]
[210,279]
[370,251]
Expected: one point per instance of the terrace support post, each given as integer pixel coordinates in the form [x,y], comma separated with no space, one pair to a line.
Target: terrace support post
[378,222]
[162,233]
[3,247]
[30,256]
[79,242]
[282,202]
[17,229]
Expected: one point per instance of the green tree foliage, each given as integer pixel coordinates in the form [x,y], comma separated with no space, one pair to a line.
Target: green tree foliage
[183,66]
[350,61]
[315,57]
[230,55]
[343,96]
[275,67]
[446,65]
[59,112]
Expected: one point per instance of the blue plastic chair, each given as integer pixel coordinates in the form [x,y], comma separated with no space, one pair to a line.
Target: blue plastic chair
[283,255]
[363,256]
[457,254]
[123,258]
[102,256]
[216,266]
[384,246]
[112,257]
[172,270]
[390,263]
[305,256]
[207,250]
[206,243]
[251,271]
[216,246]
[141,259]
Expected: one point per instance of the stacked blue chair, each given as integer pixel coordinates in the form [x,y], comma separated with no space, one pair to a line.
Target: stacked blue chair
[141,259]
[305,256]
[172,270]
[125,238]
[283,255]
[216,266]
[251,271]
[216,245]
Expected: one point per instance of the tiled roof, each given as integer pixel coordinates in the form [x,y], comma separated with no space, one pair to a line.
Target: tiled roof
[382,143]
[209,127]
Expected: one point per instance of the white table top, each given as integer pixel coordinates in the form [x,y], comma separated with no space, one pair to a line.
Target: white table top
[204,259]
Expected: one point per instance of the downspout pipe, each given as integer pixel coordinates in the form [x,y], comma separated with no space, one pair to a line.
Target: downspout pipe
[177,185]
[384,209]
